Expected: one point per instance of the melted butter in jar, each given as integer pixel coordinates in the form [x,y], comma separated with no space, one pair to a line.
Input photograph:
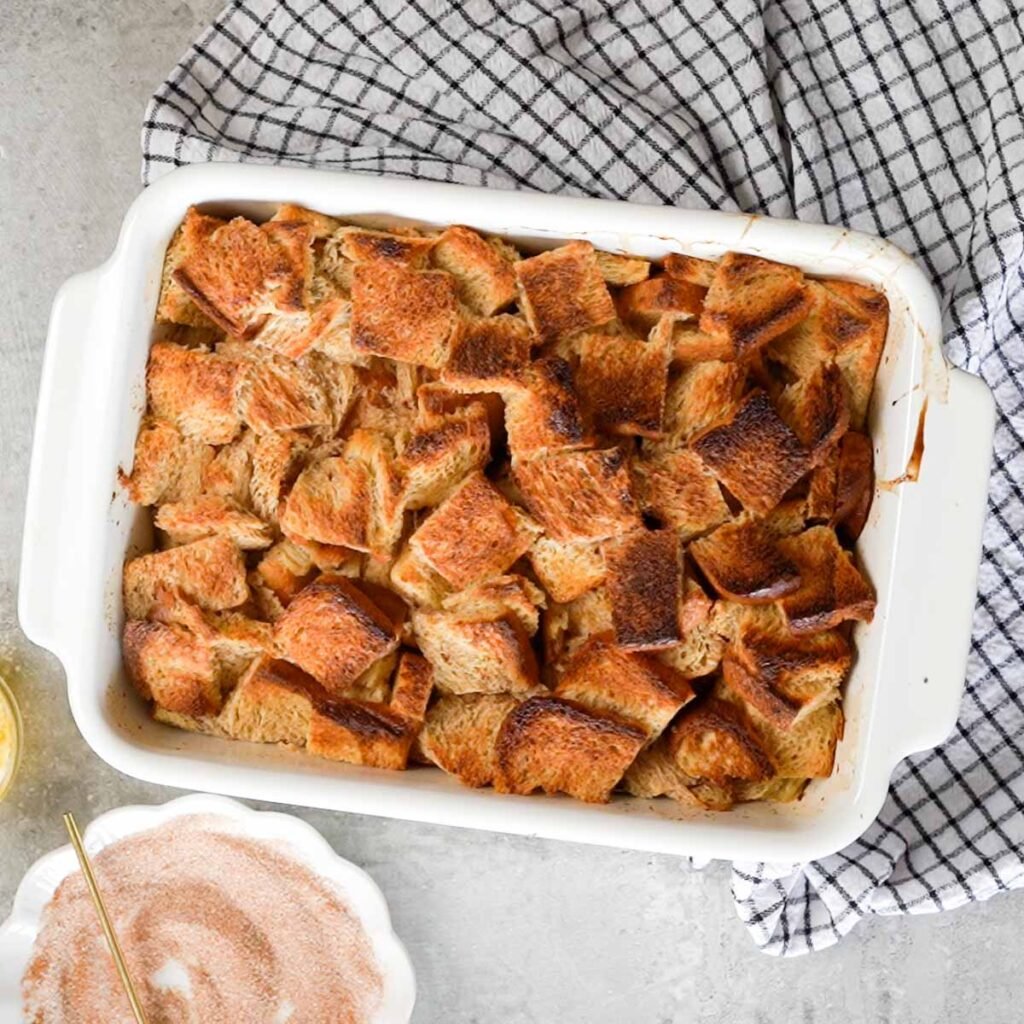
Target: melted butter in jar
[10,738]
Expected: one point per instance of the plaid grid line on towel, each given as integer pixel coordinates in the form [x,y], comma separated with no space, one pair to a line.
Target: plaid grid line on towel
[905,120]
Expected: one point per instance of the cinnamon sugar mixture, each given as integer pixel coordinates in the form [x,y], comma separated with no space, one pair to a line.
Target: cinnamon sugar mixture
[216,929]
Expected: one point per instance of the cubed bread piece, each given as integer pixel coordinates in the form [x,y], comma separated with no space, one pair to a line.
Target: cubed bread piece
[174,305]
[416,581]
[581,495]
[414,682]
[240,272]
[228,474]
[276,463]
[168,466]
[784,677]
[618,270]
[441,453]
[855,480]
[460,734]
[279,394]
[559,746]
[330,504]
[195,390]
[743,562]
[679,491]
[544,415]
[636,687]
[700,396]
[333,631]
[172,666]
[373,685]
[366,245]
[832,588]
[754,454]
[490,354]
[820,503]
[642,304]
[687,343]
[567,569]
[622,383]
[236,640]
[713,740]
[205,725]
[644,583]
[375,450]
[815,409]
[272,703]
[404,314]
[690,268]
[752,300]
[473,534]
[482,269]
[211,572]
[708,627]
[497,597]
[320,225]
[359,732]
[655,773]
[211,516]
[562,292]
[492,656]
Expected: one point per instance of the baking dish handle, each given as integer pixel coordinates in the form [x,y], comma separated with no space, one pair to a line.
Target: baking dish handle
[50,509]
[948,504]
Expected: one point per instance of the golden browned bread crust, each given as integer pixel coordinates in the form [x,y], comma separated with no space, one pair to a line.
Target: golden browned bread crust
[687,343]
[330,504]
[414,683]
[712,740]
[360,732]
[690,268]
[174,305]
[366,245]
[460,735]
[855,481]
[481,268]
[700,396]
[567,569]
[815,409]
[498,597]
[212,516]
[618,270]
[277,394]
[172,666]
[642,304]
[544,415]
[679,491]
[167,465]
[490,354]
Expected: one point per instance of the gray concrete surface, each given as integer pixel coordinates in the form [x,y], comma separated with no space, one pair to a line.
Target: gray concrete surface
[500,929]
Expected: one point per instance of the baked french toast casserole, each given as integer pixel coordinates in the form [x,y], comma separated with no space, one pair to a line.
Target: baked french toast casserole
[569,522]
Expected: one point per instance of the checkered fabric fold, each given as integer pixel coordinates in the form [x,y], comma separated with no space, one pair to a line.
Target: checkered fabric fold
[904,119]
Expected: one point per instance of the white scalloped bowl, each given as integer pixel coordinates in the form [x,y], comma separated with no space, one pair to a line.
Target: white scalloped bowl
[305,844]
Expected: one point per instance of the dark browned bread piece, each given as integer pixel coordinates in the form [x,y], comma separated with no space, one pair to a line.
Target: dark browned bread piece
[690,268]
[832,589]
[172,666]
[622,382]
[567,569]
[642,304]
[174,305]
[491,354]
[544,414]
[679,491]
[460,734]
[404,314]
[482,269]
[366,245]
[583,495]
[815,409]
[168,466]
[333,631]
[559,746]
[700,396]
[359,732]
[562,292]
[754,454]
[752,300]
[712,740]
[855,480]
[743,562]
[645,584]
[212,516]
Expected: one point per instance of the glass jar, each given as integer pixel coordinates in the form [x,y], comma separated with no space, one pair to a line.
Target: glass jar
[10,738]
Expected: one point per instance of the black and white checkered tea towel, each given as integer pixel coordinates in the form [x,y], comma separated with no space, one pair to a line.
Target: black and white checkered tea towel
[905,119]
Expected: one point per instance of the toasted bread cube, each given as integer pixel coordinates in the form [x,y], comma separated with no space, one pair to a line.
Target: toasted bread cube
[754,454]
[655,773]
[500,534]
[439,455]
[276,463]
[690,268]
[228,474]
[713,740]
[333,631]
[645,585]
[618,270]
[490,656]
[544,415]
[820,503]
[406,315]
[167,466]
[743,562]
[815,409]
[752,300]
[687,343]
[330,504]
[499,597]
[636,687]
[375,451]
[785,677]
[373,685]
[174,305]
[855,479]
[642,304]
[460,735]
[210,516]
[563,293]
[211,572]
[416,581]
[582,495]
[195,390]
[490,354]
[567,569]
[414,684]
[622,381]
[482,270]
[360,732]
[279,394]
[172,666]
[832,589]
[366,245]
[679,491]
[320,225]
[236,640]
[559,746]
[699,397]
[272,703]
[706,633]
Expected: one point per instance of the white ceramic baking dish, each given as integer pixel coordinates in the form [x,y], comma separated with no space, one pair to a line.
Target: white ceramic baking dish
[921,546]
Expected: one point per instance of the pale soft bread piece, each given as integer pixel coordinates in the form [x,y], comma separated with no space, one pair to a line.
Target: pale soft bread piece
[754,454]
[205,725]
[579,495]
[752,300]
[489,355]
[655,773]
[414,683]
[705,638]
[559,746]
[815,409]
[368,245]
[211,572]
[642,304]
[416,581]
[713,740]
[168,466]
[544,415]
[687,343]
[618,270]
[700,396]
[172,666]
[636,687]
[562,292]
[567,569]
[645,586]
[174,305]
[373,685]
[195,390]
[499,535]
[482,269]
[497,597]
[228,474]
[212,516]
[679,491]
[359,732]
[406,315]
[272,703]
[460,734]
[333,631]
